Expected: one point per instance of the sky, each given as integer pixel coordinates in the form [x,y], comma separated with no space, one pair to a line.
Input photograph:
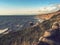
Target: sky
[18,7]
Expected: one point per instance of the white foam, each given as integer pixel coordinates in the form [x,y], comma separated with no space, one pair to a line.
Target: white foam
[3,30]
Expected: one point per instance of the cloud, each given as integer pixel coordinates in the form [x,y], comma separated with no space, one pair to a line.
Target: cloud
[49,9]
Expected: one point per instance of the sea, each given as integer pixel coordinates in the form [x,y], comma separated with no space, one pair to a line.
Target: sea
[16,22]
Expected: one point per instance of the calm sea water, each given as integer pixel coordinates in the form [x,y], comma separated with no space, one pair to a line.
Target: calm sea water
[15,21]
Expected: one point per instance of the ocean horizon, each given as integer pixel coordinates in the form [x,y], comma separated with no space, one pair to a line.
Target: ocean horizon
[12,21]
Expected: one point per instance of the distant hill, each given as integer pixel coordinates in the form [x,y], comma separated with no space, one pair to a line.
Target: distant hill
[47,16]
